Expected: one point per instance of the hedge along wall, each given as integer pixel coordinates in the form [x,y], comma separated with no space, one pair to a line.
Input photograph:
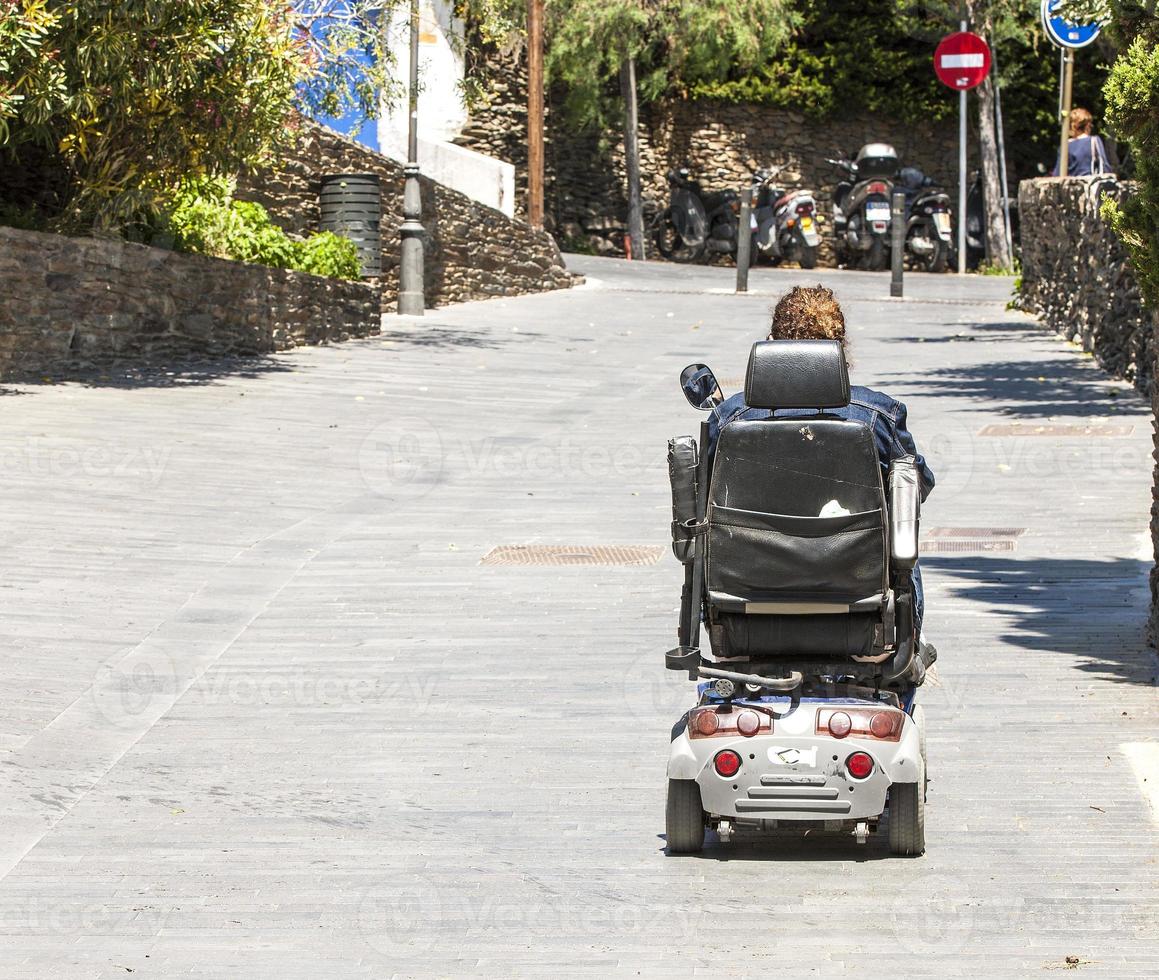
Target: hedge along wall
[72,303]
[1077,277]
[472,251]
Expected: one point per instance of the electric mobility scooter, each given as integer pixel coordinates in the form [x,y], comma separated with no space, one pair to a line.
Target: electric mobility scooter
[798,555]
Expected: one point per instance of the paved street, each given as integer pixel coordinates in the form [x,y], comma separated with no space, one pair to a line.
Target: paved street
[265,713]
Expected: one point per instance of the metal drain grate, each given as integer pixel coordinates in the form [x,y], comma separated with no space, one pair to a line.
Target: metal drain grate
[947,546]
[1058,431]
[975,532]
[573,554]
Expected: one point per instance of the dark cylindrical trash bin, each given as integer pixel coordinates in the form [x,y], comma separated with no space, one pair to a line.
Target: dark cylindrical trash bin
[352,206]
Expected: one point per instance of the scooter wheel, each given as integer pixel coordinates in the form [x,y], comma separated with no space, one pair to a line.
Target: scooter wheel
[907,815]
[684,824]
[807,257]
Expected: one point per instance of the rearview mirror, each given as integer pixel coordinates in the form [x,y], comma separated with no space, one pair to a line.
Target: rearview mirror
[700,387]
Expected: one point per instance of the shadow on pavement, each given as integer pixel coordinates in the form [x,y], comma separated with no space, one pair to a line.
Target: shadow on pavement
[172,373]
[1031,388]
[1085,607]
[979,332]
[440,337]
[793,845]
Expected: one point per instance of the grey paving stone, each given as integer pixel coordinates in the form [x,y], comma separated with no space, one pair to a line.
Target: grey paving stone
[265,715]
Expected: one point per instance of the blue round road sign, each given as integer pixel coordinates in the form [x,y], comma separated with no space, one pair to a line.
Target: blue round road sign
[1062,32]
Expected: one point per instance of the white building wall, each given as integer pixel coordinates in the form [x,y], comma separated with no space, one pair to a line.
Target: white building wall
[441,110]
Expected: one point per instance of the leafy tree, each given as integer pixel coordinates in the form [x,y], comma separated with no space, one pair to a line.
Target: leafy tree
[129,98]
[612,53]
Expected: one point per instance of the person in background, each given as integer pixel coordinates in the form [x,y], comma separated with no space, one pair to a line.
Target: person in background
[1086,154]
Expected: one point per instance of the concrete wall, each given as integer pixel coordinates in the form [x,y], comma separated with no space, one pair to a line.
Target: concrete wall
[70,303]
[472,251]
[1077,276]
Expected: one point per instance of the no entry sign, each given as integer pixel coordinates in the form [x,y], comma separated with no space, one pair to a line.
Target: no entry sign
[962,60]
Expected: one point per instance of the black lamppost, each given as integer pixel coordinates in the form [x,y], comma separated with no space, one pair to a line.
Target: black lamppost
[410,280]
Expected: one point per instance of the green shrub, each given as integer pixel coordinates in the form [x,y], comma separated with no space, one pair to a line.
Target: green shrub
[204,218]
[1132,94]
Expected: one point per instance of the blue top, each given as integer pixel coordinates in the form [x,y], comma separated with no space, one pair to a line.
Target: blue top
[884,415]
[1082,155]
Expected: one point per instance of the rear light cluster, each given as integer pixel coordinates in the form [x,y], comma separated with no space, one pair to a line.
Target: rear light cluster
[881,723]
[726,763]
[805,208]
[877,187]
[728,720]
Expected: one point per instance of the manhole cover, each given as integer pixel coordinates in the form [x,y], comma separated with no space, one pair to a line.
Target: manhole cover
[975,532]
[1058,430]
[958,546]
[573,554]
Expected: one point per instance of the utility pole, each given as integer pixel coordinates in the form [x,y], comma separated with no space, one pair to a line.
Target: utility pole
[962,174]
[411,301]
[535,113]
[632,157]
[1064,111]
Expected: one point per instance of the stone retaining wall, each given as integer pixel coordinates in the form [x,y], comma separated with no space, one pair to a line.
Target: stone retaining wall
[1077,276]
[472,251]
[71,303]
[585,173]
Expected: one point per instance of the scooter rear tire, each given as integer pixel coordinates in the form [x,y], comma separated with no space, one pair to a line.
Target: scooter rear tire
[807,257]
[907,815]
[684,823]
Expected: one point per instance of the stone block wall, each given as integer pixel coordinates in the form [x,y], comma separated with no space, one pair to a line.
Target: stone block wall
[72,303]
[585,172]
[472,251]
[1077,276]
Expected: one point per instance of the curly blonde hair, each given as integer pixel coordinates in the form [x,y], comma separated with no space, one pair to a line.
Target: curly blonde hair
[808,313]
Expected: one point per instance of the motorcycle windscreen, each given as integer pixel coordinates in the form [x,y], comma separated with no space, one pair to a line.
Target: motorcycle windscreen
[688,216]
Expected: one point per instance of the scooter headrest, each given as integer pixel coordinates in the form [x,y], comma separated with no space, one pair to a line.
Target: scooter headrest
[797,374]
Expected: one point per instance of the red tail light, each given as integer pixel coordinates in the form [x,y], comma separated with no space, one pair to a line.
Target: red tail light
[877,187]
[859,765]
[881,723]
[804,209]
[727,719]
[727,763]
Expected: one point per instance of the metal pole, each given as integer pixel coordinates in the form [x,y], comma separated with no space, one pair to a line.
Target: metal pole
[411,301]
[535,113]
[632,158]
[962,177]
[1064,113]
[744,239]
[897,229]
[1002,153]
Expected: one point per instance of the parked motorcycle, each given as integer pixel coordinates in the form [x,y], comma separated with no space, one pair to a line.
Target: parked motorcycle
[785,222]
[696,221]
[861,213]
[929,235]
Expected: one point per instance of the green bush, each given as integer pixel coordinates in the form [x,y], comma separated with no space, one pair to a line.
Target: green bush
[204,218]
[1132,94]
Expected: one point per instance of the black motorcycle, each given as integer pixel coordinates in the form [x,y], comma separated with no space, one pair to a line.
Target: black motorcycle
[696,221]
[861,212]
[785,222]
[929,235]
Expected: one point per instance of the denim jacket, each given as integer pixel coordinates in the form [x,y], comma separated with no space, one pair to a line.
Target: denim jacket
[884,415]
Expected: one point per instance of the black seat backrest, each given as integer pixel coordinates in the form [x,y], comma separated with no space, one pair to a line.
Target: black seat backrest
[796,508]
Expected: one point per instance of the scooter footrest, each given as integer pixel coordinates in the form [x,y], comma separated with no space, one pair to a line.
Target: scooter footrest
[683,658]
